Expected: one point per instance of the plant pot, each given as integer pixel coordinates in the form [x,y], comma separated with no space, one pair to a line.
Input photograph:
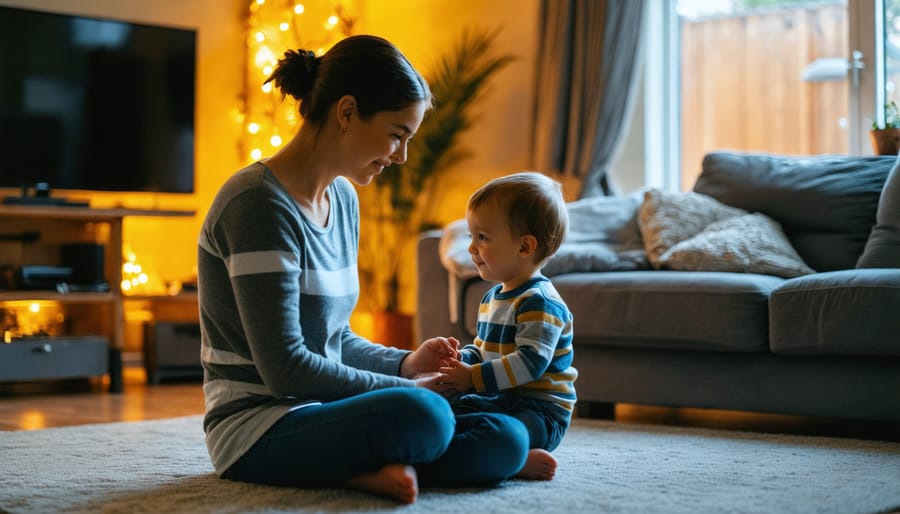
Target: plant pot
[393,329]
[886,141]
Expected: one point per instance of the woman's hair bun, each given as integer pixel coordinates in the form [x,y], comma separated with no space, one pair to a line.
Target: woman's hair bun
[295,73]
[310,60]
[369,68]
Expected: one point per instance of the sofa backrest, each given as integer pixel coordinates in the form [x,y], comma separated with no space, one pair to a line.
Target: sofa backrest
[883,247]
[826,204]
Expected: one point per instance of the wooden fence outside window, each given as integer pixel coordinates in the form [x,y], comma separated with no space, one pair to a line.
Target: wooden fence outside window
[741,85]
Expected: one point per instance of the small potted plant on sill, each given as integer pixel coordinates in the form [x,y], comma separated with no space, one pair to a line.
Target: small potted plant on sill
[886,139]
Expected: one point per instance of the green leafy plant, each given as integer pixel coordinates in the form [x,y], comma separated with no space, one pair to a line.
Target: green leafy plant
[891,117]
[399,204]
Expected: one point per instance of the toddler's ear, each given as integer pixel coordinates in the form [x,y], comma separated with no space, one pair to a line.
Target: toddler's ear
[527,246]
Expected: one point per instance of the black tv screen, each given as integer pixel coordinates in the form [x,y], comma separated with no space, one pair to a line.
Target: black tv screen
[95,104]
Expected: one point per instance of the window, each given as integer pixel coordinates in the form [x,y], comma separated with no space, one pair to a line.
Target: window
[780,76]
[891,38]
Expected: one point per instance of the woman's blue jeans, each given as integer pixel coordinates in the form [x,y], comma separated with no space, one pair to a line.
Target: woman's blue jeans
[326,445]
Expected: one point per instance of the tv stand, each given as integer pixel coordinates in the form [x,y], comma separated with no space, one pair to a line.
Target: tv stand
[93,316]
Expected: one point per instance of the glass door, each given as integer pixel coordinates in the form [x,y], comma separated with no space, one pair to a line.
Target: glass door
[743,85]
[891,42]
[795,77]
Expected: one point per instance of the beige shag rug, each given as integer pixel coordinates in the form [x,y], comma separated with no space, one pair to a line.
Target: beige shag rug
[162,467]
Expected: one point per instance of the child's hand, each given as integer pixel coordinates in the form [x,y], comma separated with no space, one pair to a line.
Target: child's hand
[458,375]
[430,356]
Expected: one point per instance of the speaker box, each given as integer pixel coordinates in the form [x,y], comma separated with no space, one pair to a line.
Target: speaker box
[172,350]
[86,262]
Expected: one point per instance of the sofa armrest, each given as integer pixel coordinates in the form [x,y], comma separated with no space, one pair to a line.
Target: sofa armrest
[432,289]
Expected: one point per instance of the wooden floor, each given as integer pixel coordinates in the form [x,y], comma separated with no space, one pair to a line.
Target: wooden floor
[37,405]
[32,406]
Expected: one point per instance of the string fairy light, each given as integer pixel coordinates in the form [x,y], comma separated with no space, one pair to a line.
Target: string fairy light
[273,27]
[134,278]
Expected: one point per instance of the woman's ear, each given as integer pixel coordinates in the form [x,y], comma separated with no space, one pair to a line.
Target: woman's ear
[346,111]
[527,246]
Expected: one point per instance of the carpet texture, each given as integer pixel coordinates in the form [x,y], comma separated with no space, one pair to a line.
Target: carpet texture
[162,466]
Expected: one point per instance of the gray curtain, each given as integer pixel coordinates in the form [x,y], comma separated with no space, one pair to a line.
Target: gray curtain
[588,64]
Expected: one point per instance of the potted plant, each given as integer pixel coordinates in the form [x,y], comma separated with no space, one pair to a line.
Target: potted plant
[398,205]
[886,138]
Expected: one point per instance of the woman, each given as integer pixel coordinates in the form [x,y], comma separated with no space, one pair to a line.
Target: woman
[293,396]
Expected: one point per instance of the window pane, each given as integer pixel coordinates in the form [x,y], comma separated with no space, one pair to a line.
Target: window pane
[891,49]
[742,86]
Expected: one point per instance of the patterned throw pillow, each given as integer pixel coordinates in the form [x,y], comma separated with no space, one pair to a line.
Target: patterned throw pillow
[693,232]
[751,243]
[666,218]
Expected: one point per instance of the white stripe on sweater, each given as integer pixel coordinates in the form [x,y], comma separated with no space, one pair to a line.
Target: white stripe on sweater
[336,283]
[210,355]
[270,261]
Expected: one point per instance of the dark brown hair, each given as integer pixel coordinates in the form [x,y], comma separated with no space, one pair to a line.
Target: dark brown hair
[534,205]
[369,68]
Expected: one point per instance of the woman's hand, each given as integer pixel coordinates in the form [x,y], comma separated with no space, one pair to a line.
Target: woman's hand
[435,382]
[432,355]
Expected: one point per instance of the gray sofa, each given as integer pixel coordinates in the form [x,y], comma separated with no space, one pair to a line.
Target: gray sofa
[823,343]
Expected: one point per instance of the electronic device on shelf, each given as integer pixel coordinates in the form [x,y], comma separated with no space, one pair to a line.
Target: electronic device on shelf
[93,104]
[62,279]
[39,194]
[42,277]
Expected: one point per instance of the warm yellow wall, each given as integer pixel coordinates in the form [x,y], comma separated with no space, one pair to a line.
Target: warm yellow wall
[167,246]
[498,140]
[425,30]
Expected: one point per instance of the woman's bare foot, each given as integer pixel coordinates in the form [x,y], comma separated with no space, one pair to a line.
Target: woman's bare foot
[540,465]
[396,481]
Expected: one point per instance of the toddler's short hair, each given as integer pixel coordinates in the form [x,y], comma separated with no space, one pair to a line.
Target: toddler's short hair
[534,205]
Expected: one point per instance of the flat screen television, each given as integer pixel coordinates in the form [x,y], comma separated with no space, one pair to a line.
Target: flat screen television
[95,104]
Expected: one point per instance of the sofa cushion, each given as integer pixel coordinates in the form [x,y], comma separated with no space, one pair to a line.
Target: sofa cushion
[883,247]
[825,204]
[666,218]
[849,312]
[681,310]
[610,219]
[752,243]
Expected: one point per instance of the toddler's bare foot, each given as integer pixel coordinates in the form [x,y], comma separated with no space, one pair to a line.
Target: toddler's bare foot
[396,481]
[540,465]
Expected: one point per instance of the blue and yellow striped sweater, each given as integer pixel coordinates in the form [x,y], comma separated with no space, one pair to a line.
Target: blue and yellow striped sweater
[523,344]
